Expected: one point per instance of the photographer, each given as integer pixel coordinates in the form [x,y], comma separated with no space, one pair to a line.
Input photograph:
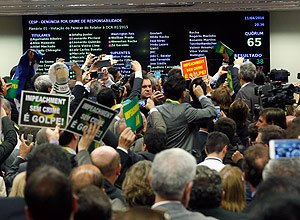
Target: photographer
[99,69]
[115,73]
[276,92]
[104,78]
[120,89]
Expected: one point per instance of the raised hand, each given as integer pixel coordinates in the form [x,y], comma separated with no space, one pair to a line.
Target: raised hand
[198,91]
[24,149]
[136,66]
[89,59]
[88,136]
[126,138]
[53,135]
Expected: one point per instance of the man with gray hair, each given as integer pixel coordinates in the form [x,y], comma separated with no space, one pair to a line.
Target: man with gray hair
[171,178]
[247,75]
[283,167]
[43,84]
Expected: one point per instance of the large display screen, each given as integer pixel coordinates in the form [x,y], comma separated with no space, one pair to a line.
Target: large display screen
[158,40]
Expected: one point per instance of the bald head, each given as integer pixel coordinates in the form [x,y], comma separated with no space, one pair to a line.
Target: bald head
[86,175]
[107,159]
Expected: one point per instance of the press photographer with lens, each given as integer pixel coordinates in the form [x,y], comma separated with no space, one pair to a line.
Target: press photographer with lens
[276,92]
[119,88]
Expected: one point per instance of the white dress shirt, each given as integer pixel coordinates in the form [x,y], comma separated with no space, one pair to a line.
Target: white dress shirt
[214,163]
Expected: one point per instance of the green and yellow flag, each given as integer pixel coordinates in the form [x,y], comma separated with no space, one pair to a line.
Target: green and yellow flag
[12,92]
[229,80]
[220,47]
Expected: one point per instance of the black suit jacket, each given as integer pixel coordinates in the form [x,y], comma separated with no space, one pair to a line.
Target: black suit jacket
[113,192]
[14,111]
[72,159]
[202,142]
[127,160]
[136,88]
[247,93]
[19,165]
[12,208]
[79,93]
[10,139]
[223,214]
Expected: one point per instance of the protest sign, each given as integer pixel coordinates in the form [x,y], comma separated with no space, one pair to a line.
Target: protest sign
[91,112]
[43,109]
[132,114]
[220,48]
[194,67]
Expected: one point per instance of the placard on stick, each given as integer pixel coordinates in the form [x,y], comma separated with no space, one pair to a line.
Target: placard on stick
[132,114]
[44,109]
[90,112]
[194,67]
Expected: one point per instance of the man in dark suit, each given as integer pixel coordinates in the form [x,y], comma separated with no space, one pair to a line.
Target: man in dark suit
[107,159]
[247,92]
[8,131]
[171,178]
[126,139]
[10,137]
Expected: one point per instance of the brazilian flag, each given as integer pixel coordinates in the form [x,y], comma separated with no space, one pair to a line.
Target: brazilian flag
[12,92]
[220,47]
[229,80]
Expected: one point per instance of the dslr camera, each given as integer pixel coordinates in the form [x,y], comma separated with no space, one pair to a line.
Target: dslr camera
[119,87]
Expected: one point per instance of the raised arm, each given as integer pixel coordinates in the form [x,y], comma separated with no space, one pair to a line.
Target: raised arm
[208,110]
[138,80]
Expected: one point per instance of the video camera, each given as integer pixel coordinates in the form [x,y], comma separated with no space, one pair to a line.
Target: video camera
[118,88]
[277,92]
[279,75]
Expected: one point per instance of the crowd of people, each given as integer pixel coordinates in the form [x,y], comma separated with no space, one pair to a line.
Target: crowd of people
[186,160]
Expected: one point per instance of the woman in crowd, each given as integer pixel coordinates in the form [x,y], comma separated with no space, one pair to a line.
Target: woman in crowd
[136,187]
[238,111]
[234,198]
